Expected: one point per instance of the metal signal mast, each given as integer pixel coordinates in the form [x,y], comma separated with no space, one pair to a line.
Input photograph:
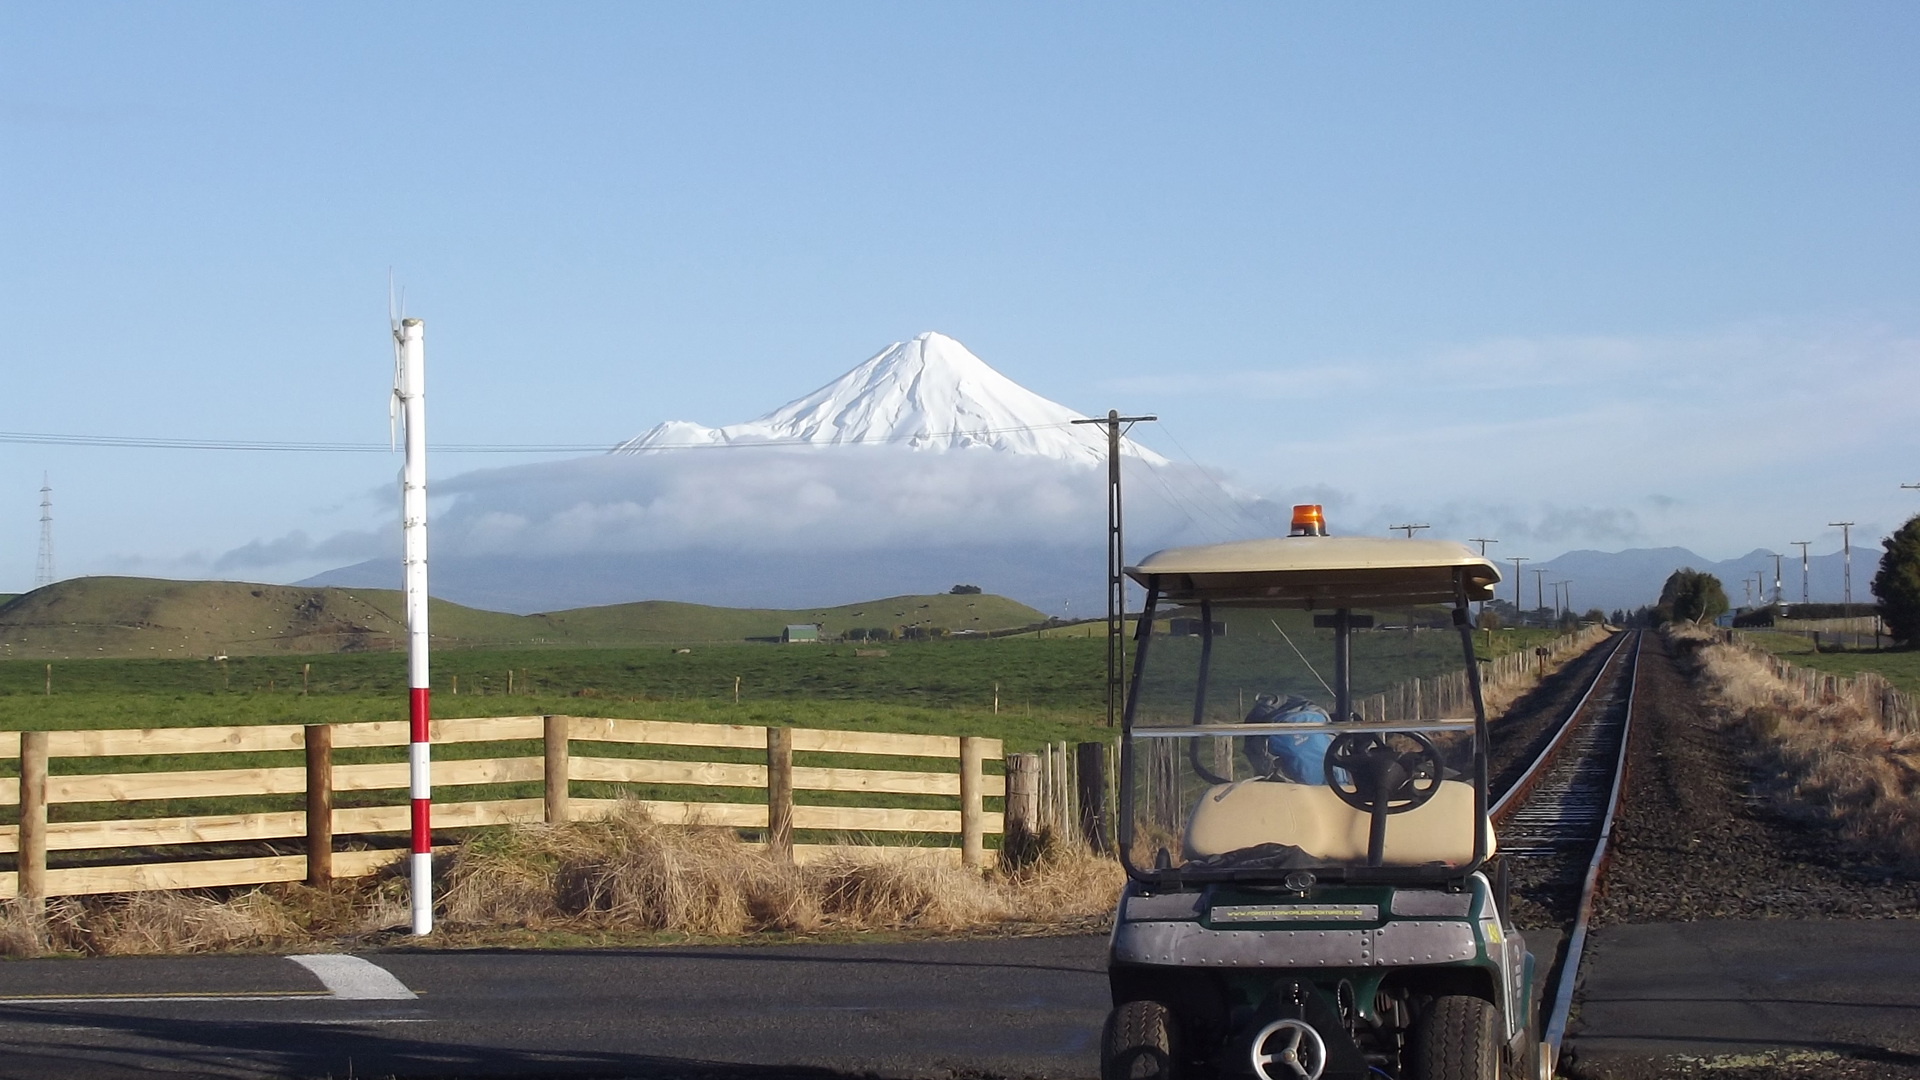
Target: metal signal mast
[410,403]
[1804,573]
[43,570]
[1116,561]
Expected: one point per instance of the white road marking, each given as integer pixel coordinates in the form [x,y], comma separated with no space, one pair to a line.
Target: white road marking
[352,979]
[121,999]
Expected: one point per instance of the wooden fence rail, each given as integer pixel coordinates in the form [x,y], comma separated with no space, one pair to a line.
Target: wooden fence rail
[844,797]
[1446,694]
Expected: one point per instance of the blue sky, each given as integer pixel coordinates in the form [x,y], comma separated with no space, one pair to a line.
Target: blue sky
[1581,277]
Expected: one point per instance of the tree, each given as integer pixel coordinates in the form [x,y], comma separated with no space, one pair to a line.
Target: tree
[1897,584]
[1691,596]
[1488,619]
[964,590]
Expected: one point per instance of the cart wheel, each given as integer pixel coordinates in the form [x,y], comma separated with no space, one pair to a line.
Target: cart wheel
[1138,1043]
[1457,1038]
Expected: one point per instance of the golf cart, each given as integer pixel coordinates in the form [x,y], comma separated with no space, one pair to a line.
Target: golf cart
[1303,821]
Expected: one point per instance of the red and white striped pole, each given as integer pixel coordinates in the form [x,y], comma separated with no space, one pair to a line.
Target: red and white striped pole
[411,390]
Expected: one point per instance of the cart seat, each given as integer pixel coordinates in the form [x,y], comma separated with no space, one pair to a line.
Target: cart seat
[1230,817]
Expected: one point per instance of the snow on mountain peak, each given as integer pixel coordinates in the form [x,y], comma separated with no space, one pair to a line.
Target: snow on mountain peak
[930,393]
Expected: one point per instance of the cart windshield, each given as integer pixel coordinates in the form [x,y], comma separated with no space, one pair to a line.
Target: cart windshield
[1270,739]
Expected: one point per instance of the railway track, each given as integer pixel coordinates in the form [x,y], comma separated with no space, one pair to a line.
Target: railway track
[1554,821]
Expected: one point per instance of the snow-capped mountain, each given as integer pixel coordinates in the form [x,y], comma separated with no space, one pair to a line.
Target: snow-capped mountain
[930,393]
[918,470]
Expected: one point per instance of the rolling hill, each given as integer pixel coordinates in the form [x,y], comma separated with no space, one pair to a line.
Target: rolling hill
[134,617]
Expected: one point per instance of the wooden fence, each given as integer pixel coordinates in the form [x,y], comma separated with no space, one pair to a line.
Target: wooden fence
[137,852]
[1070,791]
[1445,695]
[1868,691]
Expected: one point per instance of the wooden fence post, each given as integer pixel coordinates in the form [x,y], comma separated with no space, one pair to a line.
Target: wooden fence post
[1022,827]
[553,735]
[1091,775]
[972,813]
[780,794]
[319,804]
[31,884]
[1063,802]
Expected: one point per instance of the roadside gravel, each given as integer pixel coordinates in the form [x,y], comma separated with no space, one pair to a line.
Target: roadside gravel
[1693,839]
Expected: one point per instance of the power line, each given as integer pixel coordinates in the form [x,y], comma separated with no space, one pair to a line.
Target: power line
[126,442]
[1251,526]
[1187,504]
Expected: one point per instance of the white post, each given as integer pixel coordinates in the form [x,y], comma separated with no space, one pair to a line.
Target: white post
[413,512]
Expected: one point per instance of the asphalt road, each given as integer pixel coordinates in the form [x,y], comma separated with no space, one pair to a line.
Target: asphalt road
[1023,1007]
[1723,987]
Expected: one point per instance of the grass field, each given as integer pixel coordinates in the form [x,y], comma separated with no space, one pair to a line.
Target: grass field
[107,617]
[1049,690]
[1901,667]
[1047,687]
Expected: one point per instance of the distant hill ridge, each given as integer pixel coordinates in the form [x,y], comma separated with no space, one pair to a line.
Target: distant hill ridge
[149,617]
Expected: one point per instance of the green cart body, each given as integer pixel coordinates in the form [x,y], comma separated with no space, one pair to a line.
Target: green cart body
[1312,882]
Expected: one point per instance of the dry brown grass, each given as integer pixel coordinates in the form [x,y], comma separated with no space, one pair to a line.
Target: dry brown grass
[621,874]
[148,923]
[625,871]
[1830,757]
[22,933]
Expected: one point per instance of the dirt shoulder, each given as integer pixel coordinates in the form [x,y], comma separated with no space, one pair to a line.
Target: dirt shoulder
[1707,834]
[1695,838]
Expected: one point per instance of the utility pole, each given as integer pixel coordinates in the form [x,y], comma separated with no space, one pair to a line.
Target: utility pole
[1517,560]
[1802,545]
[1483,541]
[1748,587]
[1539,588]
[43,570]
[1777,598]
[1410,530]
[1846,563]
[1116,426]
[1567,585]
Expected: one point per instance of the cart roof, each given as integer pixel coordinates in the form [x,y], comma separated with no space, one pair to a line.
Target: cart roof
[1319,571]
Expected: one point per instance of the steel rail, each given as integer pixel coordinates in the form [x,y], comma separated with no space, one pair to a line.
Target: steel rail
[1520,788]
[1556,1029]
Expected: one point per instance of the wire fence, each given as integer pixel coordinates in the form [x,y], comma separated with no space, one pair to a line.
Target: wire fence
[1867,691]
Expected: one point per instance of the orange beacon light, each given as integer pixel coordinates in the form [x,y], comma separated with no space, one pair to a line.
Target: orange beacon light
[1308,521]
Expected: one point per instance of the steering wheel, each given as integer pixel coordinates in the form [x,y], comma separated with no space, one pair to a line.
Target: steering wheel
[1379,775]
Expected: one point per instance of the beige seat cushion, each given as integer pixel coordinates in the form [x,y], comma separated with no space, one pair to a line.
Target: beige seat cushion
[1230,817]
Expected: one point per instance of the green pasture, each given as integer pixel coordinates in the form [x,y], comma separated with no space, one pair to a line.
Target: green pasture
[1901,667]
[1050,689]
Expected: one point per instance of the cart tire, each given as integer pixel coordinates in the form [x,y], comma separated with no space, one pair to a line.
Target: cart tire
[1457,1038]
[1138,1043]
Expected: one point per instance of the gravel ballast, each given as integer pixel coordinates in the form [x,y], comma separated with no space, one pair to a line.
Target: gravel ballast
[1704,833]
